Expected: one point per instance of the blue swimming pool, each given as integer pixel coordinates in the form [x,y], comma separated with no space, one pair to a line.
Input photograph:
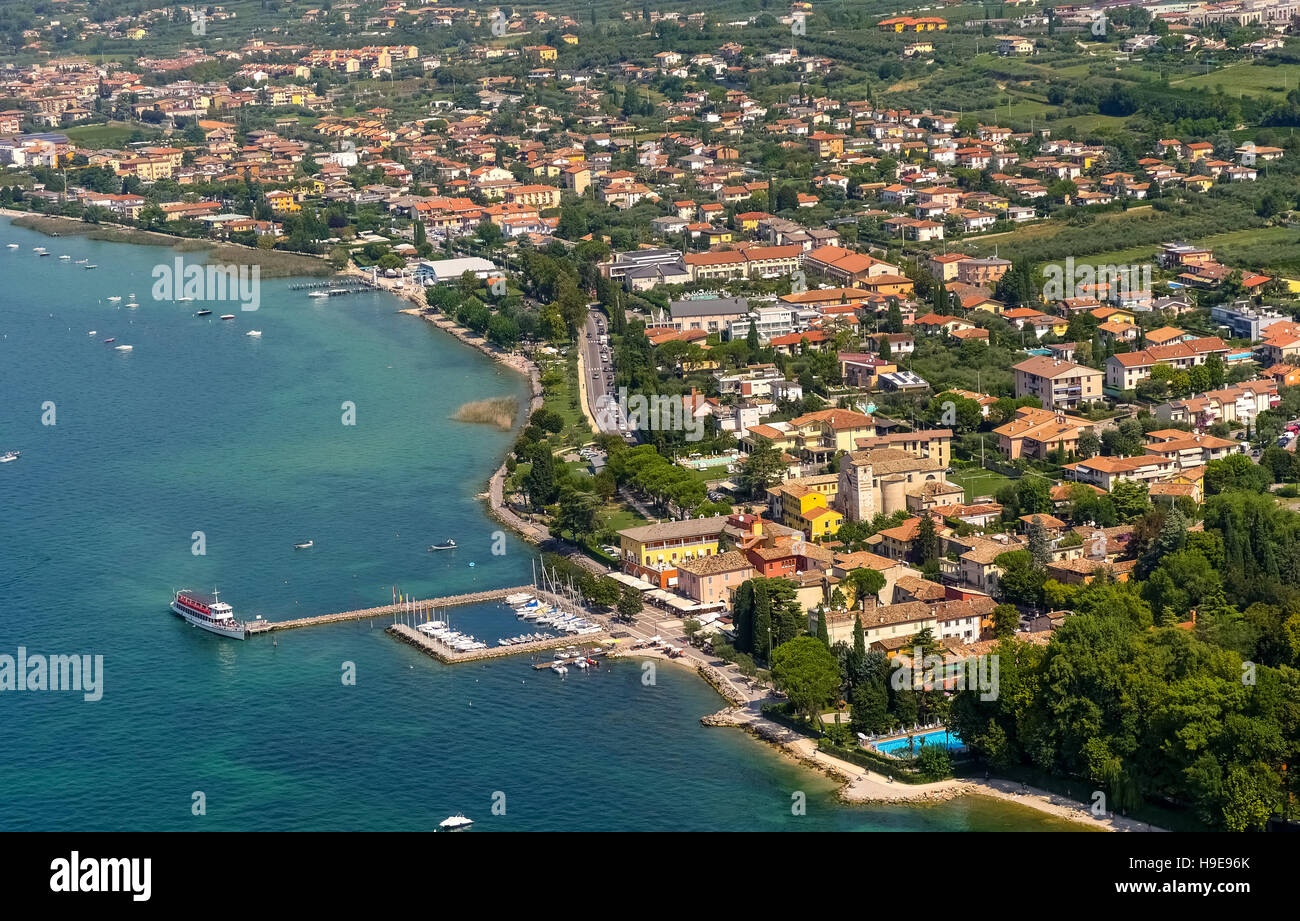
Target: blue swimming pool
[900,746]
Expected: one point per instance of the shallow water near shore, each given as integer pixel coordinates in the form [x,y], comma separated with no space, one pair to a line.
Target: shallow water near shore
[203,429]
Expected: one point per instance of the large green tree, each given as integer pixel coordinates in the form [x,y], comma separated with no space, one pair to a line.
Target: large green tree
[806,671]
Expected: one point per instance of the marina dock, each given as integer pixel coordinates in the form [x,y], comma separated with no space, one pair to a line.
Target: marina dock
[449,656]
[258,627]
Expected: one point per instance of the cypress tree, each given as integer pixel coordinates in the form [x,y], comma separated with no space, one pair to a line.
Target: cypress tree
[743,609]
[762,636]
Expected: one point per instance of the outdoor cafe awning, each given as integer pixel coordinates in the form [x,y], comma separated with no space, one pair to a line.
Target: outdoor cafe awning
[641,585]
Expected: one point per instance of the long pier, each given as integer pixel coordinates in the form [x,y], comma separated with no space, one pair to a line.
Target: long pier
[448,656]
[337,287]
[258,627]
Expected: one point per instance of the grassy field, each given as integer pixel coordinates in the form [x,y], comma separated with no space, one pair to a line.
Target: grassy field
[112,134]
[1082,124]
[978,482]
[561,395]
[1248,79]
[1252,248]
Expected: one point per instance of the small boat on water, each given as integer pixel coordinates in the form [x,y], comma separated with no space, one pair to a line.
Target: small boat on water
[303,544]
[64,257]
[92,332]
[518,598]
[456,822]
[123,348]
[318,294]
[203,313]
[449,545]
[255,333]
[227,316]
[45,254]
[13,245]
[82,261]
[182,300]
[10,456]
[113,299]
[93,267]
[38,249]
[131,306]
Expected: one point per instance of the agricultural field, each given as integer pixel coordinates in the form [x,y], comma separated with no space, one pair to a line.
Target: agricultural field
[1244,78]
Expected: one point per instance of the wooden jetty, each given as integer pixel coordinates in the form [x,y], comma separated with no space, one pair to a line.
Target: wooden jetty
[448,656]
[257,627]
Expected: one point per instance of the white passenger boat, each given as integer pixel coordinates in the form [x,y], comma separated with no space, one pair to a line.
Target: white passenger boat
[209,613]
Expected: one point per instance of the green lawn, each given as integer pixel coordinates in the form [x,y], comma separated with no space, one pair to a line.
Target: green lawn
[561,397]
[979,482]
[112,134]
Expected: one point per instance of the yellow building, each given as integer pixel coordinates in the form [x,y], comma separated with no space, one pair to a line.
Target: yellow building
[542,197]
[283,202]
[653,551]
[808,510]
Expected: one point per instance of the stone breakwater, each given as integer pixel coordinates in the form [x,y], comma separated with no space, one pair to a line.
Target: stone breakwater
[721,685]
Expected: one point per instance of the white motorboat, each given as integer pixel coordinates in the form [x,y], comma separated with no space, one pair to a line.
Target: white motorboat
[303,544]
[456,822]
[254,333]
[10,456]
[13,245]
[518,599]
[114,299]
[123,348]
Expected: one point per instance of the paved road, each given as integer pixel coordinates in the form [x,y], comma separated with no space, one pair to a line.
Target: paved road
[599,370]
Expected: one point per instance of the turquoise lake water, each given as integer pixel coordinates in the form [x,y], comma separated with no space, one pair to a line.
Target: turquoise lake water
[201,428]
